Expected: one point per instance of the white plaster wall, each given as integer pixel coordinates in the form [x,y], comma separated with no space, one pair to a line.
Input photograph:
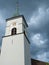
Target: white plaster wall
[17,20]
[18,25]
[24,27]
[12,51]
[15,51]
[27,52]
[15,48]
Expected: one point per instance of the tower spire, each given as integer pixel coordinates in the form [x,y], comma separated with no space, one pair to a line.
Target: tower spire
[17,7]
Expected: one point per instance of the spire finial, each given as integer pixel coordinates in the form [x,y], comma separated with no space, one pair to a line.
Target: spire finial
[17,8]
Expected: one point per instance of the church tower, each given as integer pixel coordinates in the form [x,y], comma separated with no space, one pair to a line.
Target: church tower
[15,44]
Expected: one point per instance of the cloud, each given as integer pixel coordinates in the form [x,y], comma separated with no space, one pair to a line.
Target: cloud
[39,44]
[1,18]
[43,56]
[38,39]
[39,20]
[2,25]
[39,34]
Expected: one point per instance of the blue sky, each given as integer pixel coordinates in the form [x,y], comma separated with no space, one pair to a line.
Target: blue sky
[36,13]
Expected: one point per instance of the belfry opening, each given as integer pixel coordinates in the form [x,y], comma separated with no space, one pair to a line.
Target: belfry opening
[13,31]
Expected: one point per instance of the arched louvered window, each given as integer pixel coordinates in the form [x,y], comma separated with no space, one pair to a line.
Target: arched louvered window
[13,31]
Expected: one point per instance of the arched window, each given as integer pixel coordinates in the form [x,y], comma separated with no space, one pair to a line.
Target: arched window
[13,31]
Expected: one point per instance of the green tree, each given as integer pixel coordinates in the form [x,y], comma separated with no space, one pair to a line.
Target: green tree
[47,63]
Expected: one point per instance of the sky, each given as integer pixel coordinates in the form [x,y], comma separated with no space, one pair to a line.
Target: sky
[36,13]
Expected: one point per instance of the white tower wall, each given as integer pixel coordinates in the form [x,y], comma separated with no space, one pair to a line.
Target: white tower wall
[15,48]
[10,25]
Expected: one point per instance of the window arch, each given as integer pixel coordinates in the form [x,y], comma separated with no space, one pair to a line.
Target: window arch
[13,31]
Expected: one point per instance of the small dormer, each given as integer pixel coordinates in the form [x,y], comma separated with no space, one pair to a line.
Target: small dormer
[15,25]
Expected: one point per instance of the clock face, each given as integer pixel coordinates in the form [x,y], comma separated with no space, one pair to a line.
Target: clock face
[14,23]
